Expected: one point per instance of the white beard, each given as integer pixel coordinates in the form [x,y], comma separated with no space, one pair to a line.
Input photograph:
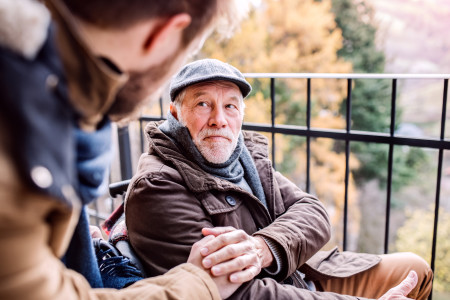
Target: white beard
[218,151]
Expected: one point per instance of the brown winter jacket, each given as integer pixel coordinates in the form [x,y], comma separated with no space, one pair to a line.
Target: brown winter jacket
[171,199]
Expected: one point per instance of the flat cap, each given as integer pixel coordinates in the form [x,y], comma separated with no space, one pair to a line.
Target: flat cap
[207,70]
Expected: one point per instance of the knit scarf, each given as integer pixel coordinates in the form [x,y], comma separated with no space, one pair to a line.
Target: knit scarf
[240,164]
[94,155]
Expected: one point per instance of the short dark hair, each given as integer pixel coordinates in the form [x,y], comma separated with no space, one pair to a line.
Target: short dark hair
[121,14]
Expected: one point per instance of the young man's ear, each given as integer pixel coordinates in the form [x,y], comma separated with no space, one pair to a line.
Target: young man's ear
[166,34]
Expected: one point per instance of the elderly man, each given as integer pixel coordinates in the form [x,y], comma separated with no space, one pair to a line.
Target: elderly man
[63,81]
[202,174]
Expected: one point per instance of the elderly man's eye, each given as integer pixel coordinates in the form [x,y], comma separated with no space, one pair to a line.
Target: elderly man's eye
[230,106]
[203,104]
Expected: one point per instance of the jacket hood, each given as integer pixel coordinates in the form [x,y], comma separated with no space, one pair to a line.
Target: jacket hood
[23,26]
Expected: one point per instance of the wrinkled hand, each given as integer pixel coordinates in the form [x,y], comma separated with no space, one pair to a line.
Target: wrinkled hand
[235,253]
[95,232]
[403,289]
[225,287]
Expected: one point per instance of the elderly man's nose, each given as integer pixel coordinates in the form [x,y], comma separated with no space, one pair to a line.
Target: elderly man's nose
[217,118]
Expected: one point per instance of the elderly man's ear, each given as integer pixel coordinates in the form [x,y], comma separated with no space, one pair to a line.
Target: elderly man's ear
[173,110]
[162,37]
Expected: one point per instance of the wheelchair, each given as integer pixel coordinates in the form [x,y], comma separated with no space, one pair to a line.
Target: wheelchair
[114,226]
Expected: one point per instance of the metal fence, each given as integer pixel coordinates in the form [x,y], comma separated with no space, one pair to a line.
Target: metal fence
[346,135]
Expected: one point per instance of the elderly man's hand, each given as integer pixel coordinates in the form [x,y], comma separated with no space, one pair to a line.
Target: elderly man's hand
[403,289]
[95,232]
[226,288]
[235,253]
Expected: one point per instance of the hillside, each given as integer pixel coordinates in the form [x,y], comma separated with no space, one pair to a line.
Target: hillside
[414,37]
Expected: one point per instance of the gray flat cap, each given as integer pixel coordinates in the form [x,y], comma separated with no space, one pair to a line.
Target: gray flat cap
[207,70]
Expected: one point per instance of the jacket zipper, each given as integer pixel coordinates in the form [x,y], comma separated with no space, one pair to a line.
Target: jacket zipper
[298,281]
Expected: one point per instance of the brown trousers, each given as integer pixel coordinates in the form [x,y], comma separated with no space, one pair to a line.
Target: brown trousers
[391,270]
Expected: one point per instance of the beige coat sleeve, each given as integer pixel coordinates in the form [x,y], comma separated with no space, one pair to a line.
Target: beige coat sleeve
[35,231]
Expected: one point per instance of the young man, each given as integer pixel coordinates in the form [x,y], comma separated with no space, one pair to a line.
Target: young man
[62,82]
[202,171]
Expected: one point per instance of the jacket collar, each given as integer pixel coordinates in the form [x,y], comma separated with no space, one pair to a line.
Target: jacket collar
[195,178]
[93,83]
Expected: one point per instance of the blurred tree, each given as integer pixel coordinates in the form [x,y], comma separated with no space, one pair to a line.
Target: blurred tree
[371,108]
[415,236]
[371,99]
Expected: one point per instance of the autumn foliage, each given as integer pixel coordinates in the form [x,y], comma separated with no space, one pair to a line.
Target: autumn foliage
[297,36]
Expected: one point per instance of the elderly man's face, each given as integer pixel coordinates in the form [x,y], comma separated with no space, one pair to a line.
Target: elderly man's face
[213,113]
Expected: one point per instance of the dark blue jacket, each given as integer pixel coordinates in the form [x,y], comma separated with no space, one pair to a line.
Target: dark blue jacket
[40,125]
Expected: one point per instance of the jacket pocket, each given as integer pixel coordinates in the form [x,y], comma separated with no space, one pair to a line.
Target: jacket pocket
[221,202]
[336,264]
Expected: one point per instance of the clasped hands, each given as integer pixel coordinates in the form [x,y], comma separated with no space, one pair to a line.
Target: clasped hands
[231,256]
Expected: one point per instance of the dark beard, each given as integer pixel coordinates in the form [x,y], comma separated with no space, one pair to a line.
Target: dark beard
[139,90]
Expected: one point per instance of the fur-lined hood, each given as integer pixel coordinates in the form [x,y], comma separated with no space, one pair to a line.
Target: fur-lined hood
[23,26]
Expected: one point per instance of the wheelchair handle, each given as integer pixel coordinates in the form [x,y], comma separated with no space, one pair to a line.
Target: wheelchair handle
[118,188]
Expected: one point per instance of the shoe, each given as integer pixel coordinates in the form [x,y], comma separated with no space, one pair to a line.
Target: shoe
[116,270]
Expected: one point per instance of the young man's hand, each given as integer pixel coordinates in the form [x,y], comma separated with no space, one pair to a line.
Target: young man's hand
[225,286]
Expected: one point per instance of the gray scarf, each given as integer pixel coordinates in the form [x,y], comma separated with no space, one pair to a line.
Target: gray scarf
[239,165]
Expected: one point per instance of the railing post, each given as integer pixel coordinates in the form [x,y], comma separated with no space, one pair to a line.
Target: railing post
[141,134]
[161,108]
[438,181]
[126,169]
[347,159]
[272,109]
[308,138]
[390,163]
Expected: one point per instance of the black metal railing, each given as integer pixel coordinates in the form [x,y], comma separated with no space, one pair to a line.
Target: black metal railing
[347,135]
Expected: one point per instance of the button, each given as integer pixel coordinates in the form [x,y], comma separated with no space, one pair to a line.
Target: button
[52,82]
[230,200]
[41,177]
